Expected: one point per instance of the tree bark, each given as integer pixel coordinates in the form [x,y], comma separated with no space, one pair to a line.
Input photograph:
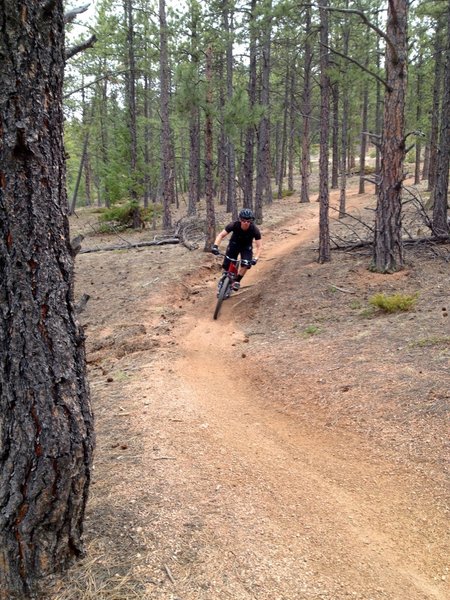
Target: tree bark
[388,248]
[209,184]
[46,426]
[363,147]
[263,192]
[324,233]
[440,195]
[168,175]
[335,91]
[306,110]
[231,154]
[248,166]
[437,86]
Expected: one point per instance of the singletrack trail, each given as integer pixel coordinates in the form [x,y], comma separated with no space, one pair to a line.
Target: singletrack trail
[208,486]
[261,505]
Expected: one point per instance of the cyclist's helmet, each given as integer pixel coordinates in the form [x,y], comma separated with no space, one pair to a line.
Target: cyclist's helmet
[247,214]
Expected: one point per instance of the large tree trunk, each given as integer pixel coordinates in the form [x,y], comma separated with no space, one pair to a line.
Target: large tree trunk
[324,233]
[388,248]
[46,428]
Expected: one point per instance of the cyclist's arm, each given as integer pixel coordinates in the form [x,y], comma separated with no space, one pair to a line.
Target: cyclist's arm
[258,248]
[223,234]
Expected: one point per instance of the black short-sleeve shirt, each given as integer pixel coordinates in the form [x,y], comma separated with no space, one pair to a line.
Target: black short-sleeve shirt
[241,237]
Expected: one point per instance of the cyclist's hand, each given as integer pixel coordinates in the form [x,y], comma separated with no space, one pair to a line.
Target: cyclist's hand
[254,261]
[215,249]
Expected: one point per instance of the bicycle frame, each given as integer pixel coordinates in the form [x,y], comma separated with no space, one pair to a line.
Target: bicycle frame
[226,280]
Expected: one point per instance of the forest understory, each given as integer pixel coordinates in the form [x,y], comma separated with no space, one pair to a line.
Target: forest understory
[295,449]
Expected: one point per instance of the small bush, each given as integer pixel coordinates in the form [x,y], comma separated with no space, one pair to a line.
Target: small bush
[311,330]
[355,304]
[394,303]
[122,214]
[431,341]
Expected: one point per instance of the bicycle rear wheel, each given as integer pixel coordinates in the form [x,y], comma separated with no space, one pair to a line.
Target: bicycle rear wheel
[224,293]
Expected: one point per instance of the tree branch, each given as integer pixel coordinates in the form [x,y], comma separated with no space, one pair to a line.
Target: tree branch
[71,14]
[355,62]
[70,52]
[369,24]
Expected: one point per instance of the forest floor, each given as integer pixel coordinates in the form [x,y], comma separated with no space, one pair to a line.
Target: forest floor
[294,449]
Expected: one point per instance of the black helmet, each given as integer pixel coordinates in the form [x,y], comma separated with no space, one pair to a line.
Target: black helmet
[247,214]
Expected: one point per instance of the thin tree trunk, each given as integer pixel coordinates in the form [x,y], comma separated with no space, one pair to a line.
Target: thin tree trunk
[437,86]
[306,110]
[248,166]
[132,110]
[209,184]
[168,176]
[363,148]
[440,195]
[263,179]
[324,233]
[344,124]
[419,101]
[335,137]
[231,165]
[292,129]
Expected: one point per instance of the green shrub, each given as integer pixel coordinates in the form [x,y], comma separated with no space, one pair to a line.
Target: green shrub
[394,303]
[311,330]
[122,214]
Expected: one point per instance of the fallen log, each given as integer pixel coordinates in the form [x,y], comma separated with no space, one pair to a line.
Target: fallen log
[129,246]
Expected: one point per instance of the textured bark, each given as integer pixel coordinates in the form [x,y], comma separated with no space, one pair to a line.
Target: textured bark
[419,100]
[335,138]
[248,167]
[209,185]
[263,192]
[194,120]
[292,130]
[344,124]
[46,435]
[363,146]
[440,196]
[324,232]
[130,78]
[388,249]
[167,155]
[306,110]
[231,164]
[437,87]
[283,141]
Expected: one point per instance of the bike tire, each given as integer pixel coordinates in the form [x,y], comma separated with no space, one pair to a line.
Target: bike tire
[222,295]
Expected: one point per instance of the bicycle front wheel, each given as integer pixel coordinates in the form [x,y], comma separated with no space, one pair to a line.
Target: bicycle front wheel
[224,293]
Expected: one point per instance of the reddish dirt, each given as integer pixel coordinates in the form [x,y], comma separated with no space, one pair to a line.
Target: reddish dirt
[295,449]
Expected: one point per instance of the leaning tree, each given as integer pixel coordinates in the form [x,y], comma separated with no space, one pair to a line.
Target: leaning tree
[46,426]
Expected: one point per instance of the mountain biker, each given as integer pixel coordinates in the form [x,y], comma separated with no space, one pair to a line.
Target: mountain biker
[244,233]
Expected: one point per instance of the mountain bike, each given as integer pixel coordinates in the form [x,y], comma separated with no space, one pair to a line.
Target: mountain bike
[224,287]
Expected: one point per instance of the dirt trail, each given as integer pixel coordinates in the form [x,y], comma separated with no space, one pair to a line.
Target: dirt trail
[204,487]
[277,508]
